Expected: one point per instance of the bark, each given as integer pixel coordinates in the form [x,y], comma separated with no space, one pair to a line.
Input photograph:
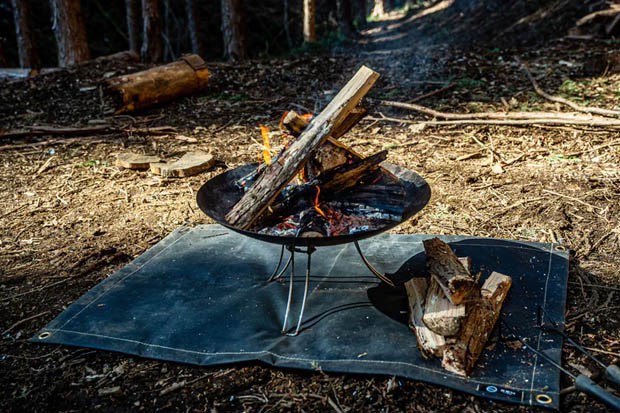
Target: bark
[292,159]
[285,22]
[159,84]
[2,52]
[22,14]
[193,27]
[309,21]
[453,278]
[132,9]
[482,314]
[233,30]
[68,26]
[345,22]
[152,50]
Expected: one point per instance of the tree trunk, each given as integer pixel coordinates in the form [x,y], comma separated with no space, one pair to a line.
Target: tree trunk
[233,30]
[2,52]
[379,9]
[309,19]
[359,13]
[285,22]
[22,16]
[132,9]
[68,25]
[151,32]
[193,27]
[345,23]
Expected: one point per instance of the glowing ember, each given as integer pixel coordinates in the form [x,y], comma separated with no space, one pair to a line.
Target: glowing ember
[317,203]
[265,134]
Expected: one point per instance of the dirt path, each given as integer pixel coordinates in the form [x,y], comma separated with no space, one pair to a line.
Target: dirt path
[69,217]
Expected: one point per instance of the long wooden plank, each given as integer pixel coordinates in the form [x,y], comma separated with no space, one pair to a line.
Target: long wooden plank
[292,159]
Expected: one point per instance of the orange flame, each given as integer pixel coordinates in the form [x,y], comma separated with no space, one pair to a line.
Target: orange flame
[316,202]
[265,134]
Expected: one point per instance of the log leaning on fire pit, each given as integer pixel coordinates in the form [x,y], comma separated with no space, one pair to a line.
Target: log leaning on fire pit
[277,175]
[159,84]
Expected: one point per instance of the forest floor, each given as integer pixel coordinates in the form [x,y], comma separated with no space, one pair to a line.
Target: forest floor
[69,217]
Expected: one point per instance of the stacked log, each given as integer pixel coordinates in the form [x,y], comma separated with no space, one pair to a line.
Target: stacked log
[453,316]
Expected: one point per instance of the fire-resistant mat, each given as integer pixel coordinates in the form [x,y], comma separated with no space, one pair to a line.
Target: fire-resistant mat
[201,296]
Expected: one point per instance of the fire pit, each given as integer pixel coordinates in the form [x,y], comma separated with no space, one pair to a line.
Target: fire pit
[218,195]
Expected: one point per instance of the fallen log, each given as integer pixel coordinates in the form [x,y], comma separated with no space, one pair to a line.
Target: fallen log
[429,342]
[291,160]
[444,266]
[160,84]
[482,314]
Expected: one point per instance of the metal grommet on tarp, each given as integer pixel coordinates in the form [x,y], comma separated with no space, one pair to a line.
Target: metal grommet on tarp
[44,335]
[543,399]
[560,248]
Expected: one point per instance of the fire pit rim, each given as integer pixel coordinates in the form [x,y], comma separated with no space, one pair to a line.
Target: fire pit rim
[417,195]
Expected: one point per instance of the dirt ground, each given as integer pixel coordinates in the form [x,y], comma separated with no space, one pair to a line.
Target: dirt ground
[69,217]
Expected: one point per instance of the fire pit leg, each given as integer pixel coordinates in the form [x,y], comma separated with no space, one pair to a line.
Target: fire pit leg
[273,276]
[382,277]
[309,251]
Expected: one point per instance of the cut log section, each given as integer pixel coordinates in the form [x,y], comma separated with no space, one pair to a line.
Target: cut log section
[445,267]
[429,343]
[137,161]
[159,84]
[192,163]
[482,314]
[291,160]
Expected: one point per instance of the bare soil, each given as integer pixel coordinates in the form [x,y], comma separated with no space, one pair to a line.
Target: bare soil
[69,217]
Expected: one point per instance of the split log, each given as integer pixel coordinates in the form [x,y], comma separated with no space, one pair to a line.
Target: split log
[291,160]
[429,343]
[159,84]
[445,267]
[333,181]
[482,314]
[440,315]
[332,153]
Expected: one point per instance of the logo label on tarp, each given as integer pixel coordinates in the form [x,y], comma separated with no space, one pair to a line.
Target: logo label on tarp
[503,391]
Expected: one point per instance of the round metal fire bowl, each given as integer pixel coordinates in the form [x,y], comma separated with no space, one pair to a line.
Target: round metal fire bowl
[218,195]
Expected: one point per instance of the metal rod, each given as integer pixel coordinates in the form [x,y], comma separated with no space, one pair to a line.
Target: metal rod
[279,275]
[290,291]
[538,353]
[563,334]
[382,277]
[303,302]
[271,277]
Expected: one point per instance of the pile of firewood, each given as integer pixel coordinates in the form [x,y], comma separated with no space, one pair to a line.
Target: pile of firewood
[453,316]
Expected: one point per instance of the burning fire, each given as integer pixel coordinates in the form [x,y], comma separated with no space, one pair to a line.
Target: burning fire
[264,131]
[317,203]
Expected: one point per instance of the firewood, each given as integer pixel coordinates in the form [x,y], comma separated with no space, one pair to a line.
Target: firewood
[292,159]
[440,315]
[294,122]
[192,163]
[332,153]
[429,343]
[482,314]
[445,267]
[131,160]
[333,181]
[159,84]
